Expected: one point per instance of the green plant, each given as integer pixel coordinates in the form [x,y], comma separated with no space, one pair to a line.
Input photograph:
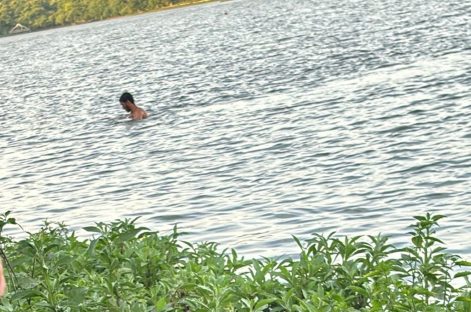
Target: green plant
[124,267]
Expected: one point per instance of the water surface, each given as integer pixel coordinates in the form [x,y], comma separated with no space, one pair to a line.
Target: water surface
[277,118]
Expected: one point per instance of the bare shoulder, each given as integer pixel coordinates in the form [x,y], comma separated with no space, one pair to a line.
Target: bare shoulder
[139,114]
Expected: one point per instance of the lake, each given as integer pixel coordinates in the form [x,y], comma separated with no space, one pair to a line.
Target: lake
[268,119]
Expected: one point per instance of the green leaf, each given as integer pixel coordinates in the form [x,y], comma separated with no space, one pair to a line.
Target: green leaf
[359,290]
[25,281]
[419,218]
[26,294]
[234,254]
[91,248]
[434,239]
[463,263]
[161,305]
[48,248]
[417,241]
[126,236]
[76,295]
[438,217]
[298,242]
[247,303]
[462,274]
[205,288]
[422,291]
[93,229]
[263,304]
[438,249]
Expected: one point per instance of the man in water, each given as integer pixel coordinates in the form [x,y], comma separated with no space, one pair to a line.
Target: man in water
[127,102]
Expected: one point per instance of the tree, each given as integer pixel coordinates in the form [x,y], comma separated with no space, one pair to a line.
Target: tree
[37,14]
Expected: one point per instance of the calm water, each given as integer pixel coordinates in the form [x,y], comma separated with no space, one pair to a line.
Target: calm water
[279,118]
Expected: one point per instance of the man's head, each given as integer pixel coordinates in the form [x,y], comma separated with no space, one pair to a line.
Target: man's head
[126,99]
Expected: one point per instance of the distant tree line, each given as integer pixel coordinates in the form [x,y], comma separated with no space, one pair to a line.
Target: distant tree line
[38,14]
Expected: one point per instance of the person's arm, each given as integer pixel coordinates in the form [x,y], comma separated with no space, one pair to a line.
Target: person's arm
[3,284]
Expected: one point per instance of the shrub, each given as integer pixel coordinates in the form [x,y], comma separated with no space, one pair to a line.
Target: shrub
[129,268]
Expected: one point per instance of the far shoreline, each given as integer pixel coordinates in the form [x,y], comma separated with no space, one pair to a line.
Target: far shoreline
[167,8]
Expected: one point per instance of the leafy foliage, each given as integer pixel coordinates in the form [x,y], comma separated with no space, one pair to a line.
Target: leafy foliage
[129,268]
[37,14]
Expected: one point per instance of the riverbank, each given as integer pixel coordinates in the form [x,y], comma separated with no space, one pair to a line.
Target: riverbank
[130,268]
[4,31]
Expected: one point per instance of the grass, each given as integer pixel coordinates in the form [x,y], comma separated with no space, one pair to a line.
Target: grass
[125,267]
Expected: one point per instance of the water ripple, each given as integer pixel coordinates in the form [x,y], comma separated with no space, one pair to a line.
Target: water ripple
[279,118]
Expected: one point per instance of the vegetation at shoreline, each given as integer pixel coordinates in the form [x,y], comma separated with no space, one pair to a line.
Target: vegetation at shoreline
[129,268]
[39,14]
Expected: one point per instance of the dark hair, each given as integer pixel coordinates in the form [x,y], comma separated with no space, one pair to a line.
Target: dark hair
[126,96]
